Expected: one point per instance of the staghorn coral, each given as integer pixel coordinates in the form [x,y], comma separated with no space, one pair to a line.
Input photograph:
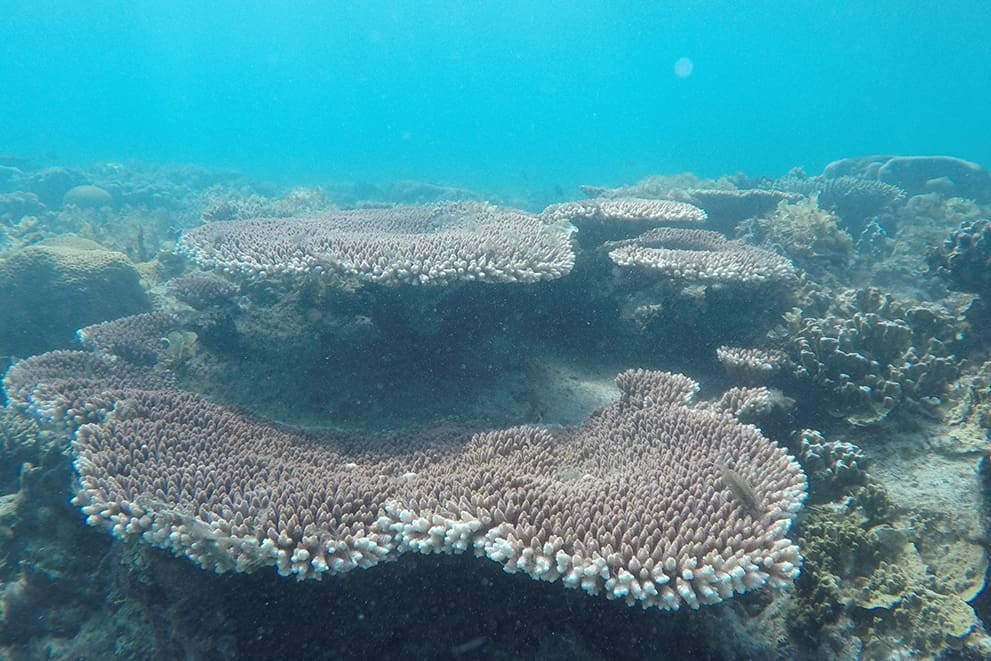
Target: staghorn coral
[430,245]
[634,503]
[702,256]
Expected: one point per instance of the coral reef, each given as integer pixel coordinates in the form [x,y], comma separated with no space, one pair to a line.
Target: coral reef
[639,211]
[919,174]
[612,218]
[14,206]
[137,338]
[202,291]
[883,400]
[750,365]
[87,196]
[867,570]
[183,474]
[298,202]
[853,199]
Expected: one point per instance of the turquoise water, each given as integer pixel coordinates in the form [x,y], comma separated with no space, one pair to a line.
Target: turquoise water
[507,95]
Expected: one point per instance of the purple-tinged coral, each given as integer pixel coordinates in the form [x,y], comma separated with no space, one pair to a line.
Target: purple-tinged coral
[653,500]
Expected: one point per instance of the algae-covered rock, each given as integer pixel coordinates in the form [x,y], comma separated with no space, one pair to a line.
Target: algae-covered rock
[892,576]
[50,289]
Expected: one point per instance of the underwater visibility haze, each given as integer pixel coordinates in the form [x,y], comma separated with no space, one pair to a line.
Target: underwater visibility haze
[494,330]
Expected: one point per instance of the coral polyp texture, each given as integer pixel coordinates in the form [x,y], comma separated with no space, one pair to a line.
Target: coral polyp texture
[653,500]
[424,244]
[138,338]
[702,256]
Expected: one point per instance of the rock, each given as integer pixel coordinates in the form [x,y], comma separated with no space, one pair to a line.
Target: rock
[50,289]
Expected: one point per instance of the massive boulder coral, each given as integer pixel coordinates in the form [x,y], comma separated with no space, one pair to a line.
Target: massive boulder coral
[427,244]
[652,500]
[50,289]
[919,174]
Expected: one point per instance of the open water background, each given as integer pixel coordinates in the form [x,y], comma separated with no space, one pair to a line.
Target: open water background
[496,95]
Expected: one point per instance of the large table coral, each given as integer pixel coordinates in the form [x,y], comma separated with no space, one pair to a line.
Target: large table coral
[426,244]
[653,500]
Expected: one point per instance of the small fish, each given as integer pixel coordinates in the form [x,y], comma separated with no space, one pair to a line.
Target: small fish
[742,489]
[469,646]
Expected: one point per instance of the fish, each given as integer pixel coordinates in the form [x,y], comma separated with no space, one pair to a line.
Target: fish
[742,489]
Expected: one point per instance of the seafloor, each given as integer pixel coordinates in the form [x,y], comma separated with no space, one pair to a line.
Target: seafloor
[857,337]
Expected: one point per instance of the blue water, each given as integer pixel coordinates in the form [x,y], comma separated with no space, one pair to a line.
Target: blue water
[495,95]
